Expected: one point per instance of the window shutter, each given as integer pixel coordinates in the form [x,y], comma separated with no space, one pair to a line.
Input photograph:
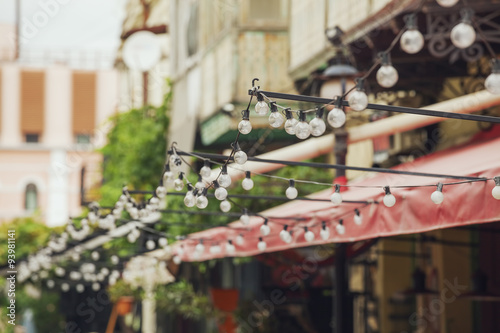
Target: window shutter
[32,101]
[84,102]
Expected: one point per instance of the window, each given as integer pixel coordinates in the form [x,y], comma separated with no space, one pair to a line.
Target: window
[31,138]
[30,197]
[83,138]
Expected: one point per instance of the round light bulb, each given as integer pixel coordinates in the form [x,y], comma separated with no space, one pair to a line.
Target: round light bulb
[336,198]
[200,185]
[60,271]
[201,202]
[95,255]
[50,284]
[200,248]
[65,287]
[437,197]
[240,157]
[230,249]
[189,199]
[288,238]
[131,238]
[358,101]
[318,126]
[245,126]
[324,233]
[463,35]
[177,260]
[247,184]
[358,219]
[96,286]
[161,191]
[283,234]
[240,240]
[412,41]
[309,236]
[302,130]
[224,180]
[276,119]
[387,76]
[178,184]
[205,171]
[290,125]
[225,206]
[175,162]
[492,83]
[115,260]
[495,192]
[168,177]
[215,249]
[80,288]
[336,118]
[245,219]
[447,3]
[291,192]
[389,200]
[340,229]
[221,193]
[162,241]
[150,244]
[262,245]
[265,230]
[261,108]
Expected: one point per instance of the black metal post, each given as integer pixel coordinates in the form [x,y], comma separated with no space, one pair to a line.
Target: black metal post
[341,303]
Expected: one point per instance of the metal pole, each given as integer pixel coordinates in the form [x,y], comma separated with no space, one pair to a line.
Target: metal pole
[145,87]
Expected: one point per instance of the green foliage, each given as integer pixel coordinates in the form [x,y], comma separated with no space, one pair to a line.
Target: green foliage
[121,288]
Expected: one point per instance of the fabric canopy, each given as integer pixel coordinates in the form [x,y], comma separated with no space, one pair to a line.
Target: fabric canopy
[414,212]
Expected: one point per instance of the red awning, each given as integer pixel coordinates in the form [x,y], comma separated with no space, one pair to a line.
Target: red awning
[414,212]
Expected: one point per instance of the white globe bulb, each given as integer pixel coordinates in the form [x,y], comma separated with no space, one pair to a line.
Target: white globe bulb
[177,260]
[96,286]
[309,236]
[115,260]
[245,219]
[50,284]
[290,125]
[225,206]
[336,118]
[240,157]
[221,193]
[276,119]
[492,83]
[189,199]
[180,251]
[463,35]
[447,3]
[389,200]
[302,130]
[150,244]
[412,41]
[60,271]
[205,172]
[201,202]
[215,249]
[437,197]
[262,246]
[291,192]
[224,180]
[324,233]
[261,108]
[64,287]
[247,184]
[288,238]
[358,219]
[265,230]
[200,248]
[95,255]
[496,192]
[387,76]
[358,101]
[318,126]
[131,238]
[240,240]
[80,288]
[161,192]
[245,126]
[117,213]
[336,198]
[168,177]
[230,249]
[340,229]
[162,241]
[178,184]
[200,185]
[283,234]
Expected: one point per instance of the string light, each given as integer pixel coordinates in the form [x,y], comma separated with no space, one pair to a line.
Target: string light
[244,218]
[308,235]
[437,196]
[150,244]
[161,191]
[318,126]
[96,286]
[492,82]
[340,227]
[215,249]
[245,127]
[285,235]
[240,156]
[261,107]
[261,245]
[65,287]
[303,129]
[59,271]
[463,34]
[358,101]
[495,192]
[291,192]
[225,206]
[189,198]
[230,249]
[387,75]
[95,255]
[115,260]
[412,40]
[324,233]
[276,119]
[358,218]
[291,122]
[200,248]
[247,183]
[175,162]
[224,178]
[264,229]
[177,260]
[201,200]
[336,117]
[389,199]
[180,250]
[447,3]
[220,192]
[179,183]
[50,284]
[168,176]
[336,197]
[205,171]
[162,242]
[80,288]
[240,240]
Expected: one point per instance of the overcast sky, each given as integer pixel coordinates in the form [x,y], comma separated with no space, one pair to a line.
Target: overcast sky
[79,26]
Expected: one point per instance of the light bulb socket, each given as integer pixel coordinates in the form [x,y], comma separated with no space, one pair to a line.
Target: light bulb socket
[265,221]
[181,175]
[224,169]
[386,58]
[201,241]
[319,112]
[206,163]
[466,14]
[236,146]
[190,187]
[204,192]
[260,97]
[302,115]
[274,108]
[216,184]
[285,227]
[291,182]
[411,21]
[260,239]
[245,211]
[497,181]
[337,188]
[196,192]
[167,167]
[356,211]
[495,65]
[338,102]
[247,174]
[306,229]
[230,242]
[387,190]
[288,113]
[323,225]
[341,222]
[439,187]
[360,83]
[245,114]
